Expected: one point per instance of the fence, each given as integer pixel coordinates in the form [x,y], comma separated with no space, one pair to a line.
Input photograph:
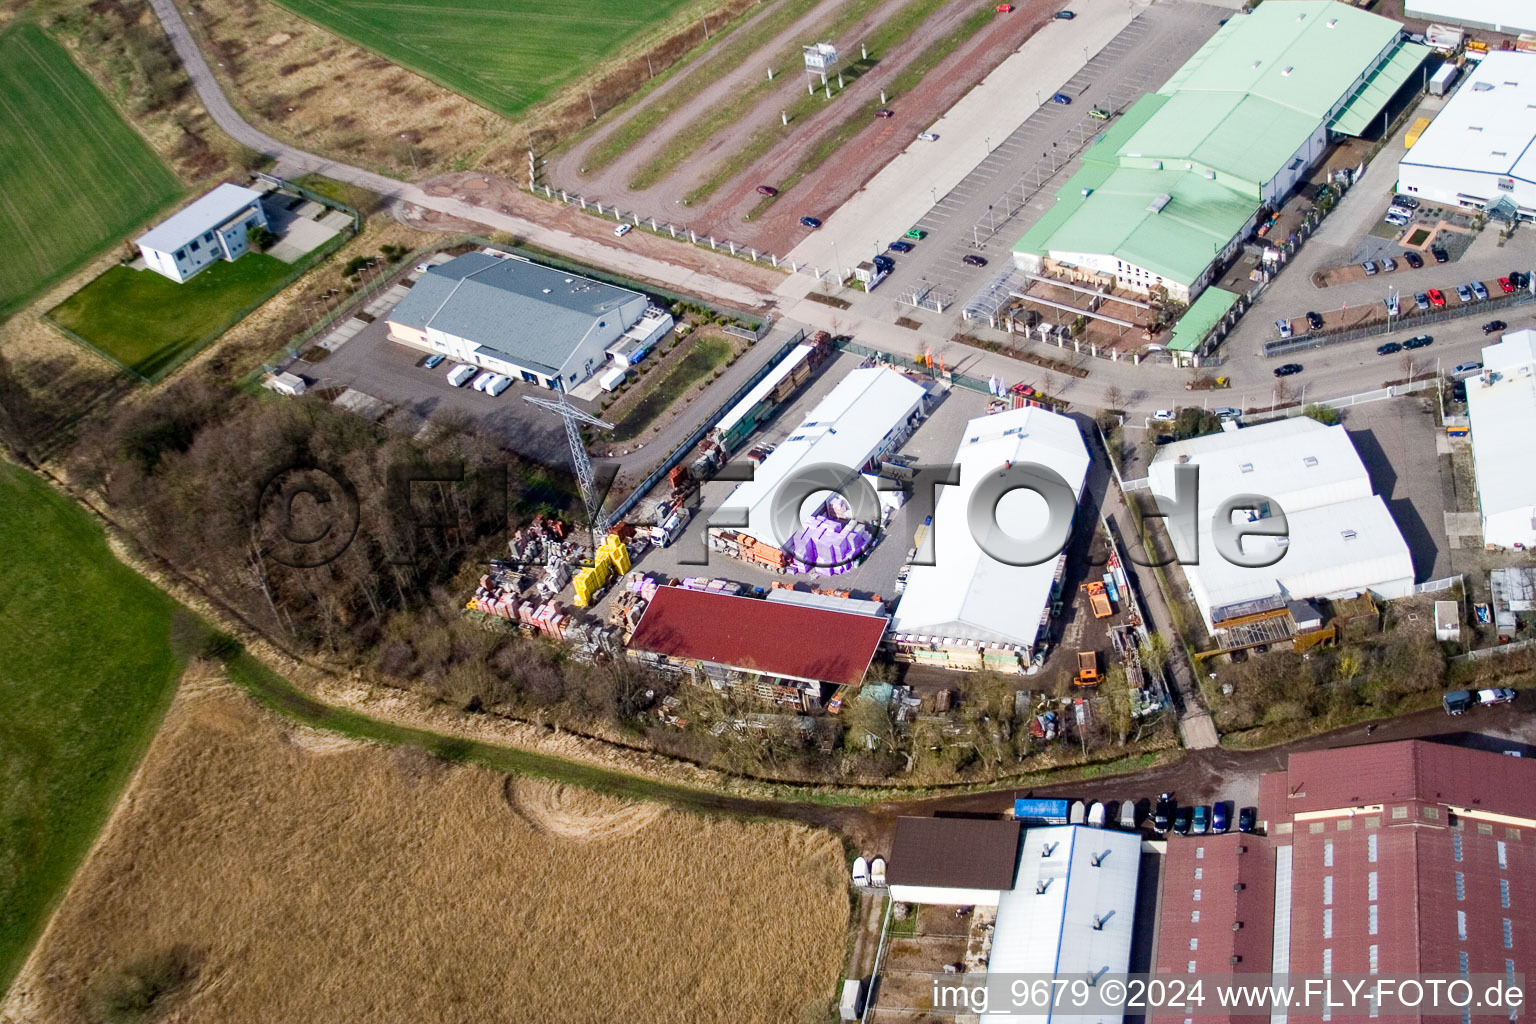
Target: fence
[1493,652]
[677,231]
[314,197]
[1395,391]
[1435,586]
[1276,349]
[686,446]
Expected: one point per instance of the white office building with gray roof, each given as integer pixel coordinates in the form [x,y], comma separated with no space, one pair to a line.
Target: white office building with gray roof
[212,228]
[516,317]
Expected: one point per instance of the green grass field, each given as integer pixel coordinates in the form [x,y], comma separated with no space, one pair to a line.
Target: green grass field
[75,177]
[149,323]
[706,354]
[504,56]
[86,672]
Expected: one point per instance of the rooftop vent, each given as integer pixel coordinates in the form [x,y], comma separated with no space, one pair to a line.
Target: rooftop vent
[1246,467]
[1347,534]
[1332,22]
[1482,86]
[1309,461]
[1158,202]
[1287,72]
[546,291]
[1301,17]
[1211,175]
[1256,64]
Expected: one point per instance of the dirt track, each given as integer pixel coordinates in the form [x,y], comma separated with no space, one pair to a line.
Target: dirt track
[823,190]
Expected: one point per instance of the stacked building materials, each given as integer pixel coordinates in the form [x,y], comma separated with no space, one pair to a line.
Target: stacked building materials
[829,545]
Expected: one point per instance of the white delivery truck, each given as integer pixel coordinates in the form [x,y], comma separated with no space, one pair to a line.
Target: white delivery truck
[611,380]
[460,375]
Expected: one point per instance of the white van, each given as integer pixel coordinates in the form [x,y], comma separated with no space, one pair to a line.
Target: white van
[497,386]
[460,375]
[485,378]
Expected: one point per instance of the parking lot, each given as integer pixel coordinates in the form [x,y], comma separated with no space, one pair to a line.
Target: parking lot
[369,362]
[997,202]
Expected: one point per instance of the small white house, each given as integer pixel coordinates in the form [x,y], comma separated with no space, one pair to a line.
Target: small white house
[290,384]
[212,228]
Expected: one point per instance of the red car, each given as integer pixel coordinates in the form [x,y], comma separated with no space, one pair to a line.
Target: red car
[767,190]
[1005,8]
[1435,298]
[1505,286]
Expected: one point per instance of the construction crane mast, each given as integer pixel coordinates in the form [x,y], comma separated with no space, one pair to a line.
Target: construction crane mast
[572,416]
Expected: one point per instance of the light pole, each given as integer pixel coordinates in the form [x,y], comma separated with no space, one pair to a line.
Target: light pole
[409,148]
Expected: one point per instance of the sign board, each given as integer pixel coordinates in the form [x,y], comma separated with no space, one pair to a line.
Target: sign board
[820,56]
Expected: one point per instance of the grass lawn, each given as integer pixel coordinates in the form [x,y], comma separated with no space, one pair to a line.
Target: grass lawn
[149,323]
[507,57]
[87,670]
[76,177]
[707,353]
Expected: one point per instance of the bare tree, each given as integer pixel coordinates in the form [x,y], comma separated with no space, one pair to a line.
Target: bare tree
[1114,397]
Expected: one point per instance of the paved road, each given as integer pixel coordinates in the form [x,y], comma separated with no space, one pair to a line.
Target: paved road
[584,249]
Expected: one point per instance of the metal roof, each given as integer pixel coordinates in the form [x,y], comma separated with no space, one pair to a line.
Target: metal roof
[1249,138]
[536,316]
[966,593]
[760,390]
[1501,403]
[1379,87]
[1201,318]
[1509,15]
[1070,913]
[1489,125]
[771,638]
[1303,55]
[204,214]
[954,853]
[843,430]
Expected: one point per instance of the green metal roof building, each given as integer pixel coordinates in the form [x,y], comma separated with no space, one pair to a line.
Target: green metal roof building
[1174,185]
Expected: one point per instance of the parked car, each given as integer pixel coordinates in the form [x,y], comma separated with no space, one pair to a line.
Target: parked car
[972,260]
[900,247]
[1393,308]
[1005,8]
[1098,113]
[1501,695]
[929,136]
[1247,818]
[1419,341]
[1162,812]
[1398,218]
[1062,98]
[1520,279]
[1505,286]
[1370,267]
[885,263]
[1413,259]
[1493,326]
[1219,816]
[423,267]
[1480,290]
[1164,416]
[767,190]
[482,380]
[1181,820]
[1390,348]
[1289,369]
[460,375]
[1435,298]
[433,361]
[1406,202]
[1388,264]
[1315,321]
[1440,255]
[810,222]
[916,234]
[623,229]
[1461,368]
[1421,300]
[884,112]
[1285,328]
[1065,15]
[1226,412]
[1201,821]
[1464,293]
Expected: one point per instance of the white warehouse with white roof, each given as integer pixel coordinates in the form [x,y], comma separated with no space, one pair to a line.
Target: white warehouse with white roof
[1481,147]
[967,609]
[1501,404]
[864,418]
[1341,539]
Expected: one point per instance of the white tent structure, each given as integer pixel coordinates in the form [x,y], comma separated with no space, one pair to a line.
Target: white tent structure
[1501,403]
[967,595]
[1342,538]
[867,416]
[1070,911]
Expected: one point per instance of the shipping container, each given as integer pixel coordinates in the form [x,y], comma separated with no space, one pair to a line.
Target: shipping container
[1041,812]
[1440,84]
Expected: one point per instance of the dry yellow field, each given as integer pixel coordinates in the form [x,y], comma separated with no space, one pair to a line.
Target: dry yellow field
[306,878]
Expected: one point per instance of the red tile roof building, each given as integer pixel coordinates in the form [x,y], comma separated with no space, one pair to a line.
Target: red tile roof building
[1397,858]
[723,633]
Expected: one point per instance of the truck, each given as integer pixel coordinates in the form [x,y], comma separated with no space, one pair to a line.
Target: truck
[1457,701]
[1098,599]
[1087,669]
[1441,81]
[1037,811]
